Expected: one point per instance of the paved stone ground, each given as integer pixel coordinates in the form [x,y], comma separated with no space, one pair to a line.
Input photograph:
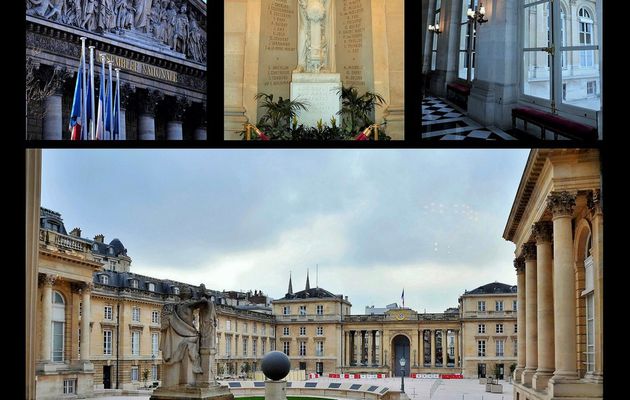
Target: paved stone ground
[416,389]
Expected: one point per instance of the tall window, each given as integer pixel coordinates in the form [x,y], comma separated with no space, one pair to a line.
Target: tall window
[263,345]
[560,55]
[245,340]
[58,326]
[244,327]
[154,372]
[498,305]
[286,310]
[151,287]
[302,331]
[228,345]
[286,347]
[155,343]
[481,328]
[302,348]
[319,349]
[586,37]
[135,343]
[285,331]
[320,310]
[107,342]
[107,313]
[499,328]
[302,310]
[467,42]
[481,305]
[135,314]
[228,325]
[434,43]
[263,329]
[499,344]
[588,293]
[481,348]
[155,317]
[514,305]
[134,374]
[254,345]
[320,331]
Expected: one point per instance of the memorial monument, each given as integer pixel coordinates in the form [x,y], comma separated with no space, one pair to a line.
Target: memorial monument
[188,352]
[314,81]
[305,50]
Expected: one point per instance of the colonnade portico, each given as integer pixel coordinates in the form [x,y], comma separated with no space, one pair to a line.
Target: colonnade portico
[558,262]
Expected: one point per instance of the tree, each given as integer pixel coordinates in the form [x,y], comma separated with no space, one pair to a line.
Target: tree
[145,376]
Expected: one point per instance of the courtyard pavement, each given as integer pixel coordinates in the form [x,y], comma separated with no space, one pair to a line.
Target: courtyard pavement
[416,389]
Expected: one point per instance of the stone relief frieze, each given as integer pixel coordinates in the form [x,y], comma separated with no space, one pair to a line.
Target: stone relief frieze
[149,23]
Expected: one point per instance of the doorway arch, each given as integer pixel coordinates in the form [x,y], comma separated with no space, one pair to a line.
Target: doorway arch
[400,349]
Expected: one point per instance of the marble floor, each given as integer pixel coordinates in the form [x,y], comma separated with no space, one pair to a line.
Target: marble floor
[443,121]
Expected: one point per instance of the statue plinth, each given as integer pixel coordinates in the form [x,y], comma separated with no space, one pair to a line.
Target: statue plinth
[186,392]
[321,93]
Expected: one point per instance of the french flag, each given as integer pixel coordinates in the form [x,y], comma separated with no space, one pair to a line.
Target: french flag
[100,134]
[77,112]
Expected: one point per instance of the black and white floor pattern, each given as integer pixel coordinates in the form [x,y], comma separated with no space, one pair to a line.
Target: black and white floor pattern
[441,121]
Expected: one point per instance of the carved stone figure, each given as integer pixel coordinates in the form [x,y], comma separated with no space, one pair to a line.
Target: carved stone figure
[315,36]
[143,11]
[181,343]
[107,18]
[49,9]
[124,14]
[194,41]
[89,15]
[72,14]
[171,15]
[181,31]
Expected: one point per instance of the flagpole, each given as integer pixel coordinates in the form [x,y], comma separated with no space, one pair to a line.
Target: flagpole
[83,91]
[104,97]
[118,102]
[111,103]
[92,125]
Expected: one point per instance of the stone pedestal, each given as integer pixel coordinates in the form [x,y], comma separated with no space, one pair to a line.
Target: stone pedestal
[276,390]
[146,127]
[184,392]
[321,95]
[174,130]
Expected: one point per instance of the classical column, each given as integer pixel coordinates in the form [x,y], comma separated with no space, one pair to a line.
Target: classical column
[421,349]
[352,349]
[177,107]
[597,223]
[444,347]
[86,291]
[148,102]
[126,92]
[561,205]
[52,104]
[201,131]
[363,355]
[432,340]
[456,361]
[543,231]
[46,282]
[374,347]
[531,328]
[369,342]
[519,264]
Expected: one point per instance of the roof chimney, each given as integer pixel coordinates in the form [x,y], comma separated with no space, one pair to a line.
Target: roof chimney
[99,238]
[76,232]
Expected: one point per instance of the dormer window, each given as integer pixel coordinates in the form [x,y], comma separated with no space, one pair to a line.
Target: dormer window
[151,286]
[175,290]
[94,247]
[134,283]
[104,279]
[110,251]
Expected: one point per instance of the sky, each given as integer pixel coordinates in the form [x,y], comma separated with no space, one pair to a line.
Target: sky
[370,222]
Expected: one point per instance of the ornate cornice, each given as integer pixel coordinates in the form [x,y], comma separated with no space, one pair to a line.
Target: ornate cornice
[543,231]
[561,204]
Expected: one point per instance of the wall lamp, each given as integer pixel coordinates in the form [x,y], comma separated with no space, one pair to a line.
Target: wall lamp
[435,29]
[478,15]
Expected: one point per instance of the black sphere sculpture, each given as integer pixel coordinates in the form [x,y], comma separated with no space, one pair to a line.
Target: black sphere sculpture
[275,365]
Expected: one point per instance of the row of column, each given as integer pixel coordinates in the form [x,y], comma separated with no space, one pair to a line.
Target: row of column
[47,281]
[147,102]
[432,341]
[367,347]
[546,316]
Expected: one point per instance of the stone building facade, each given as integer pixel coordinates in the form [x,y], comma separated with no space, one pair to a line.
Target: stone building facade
[160,47]
[556,223]
[489,330]
[98,324]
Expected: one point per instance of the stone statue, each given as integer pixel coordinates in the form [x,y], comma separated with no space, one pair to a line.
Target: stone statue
[143,11]
[171,16]
[107,19]
[124,14]
[89,15]
[180,35]
[315,36]
[185,350]
[195,44]
[48,9]
[72,13]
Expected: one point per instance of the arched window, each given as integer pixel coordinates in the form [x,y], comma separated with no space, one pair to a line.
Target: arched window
[586,37]
[589,298]
[434,40]
[58,326]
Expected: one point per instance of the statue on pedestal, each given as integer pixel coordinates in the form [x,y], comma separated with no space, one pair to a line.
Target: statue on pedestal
[187,352]
[315,36]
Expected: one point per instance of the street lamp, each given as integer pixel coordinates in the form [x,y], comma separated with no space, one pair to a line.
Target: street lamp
[402,376]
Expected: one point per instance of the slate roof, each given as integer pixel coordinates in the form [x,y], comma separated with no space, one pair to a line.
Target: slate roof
[310,294]
[493,288]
